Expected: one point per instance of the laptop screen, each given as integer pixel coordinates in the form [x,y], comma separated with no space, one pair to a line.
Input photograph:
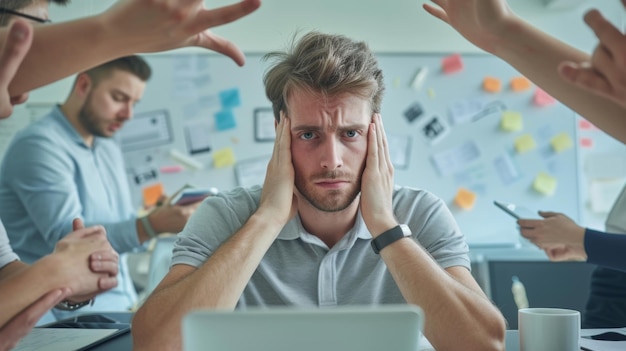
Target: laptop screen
[365,328]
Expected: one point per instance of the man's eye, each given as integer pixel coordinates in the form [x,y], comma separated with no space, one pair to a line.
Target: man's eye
[307,136]
[351,133]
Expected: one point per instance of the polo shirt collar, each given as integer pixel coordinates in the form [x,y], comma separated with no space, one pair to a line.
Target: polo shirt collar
[294,229]
[68,128]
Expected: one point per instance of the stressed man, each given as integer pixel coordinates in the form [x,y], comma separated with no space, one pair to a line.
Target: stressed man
[328,227]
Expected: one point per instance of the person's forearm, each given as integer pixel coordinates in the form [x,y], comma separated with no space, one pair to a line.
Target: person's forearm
[70,45]
[448,304]
[218,283]
[26,285]
[538,55]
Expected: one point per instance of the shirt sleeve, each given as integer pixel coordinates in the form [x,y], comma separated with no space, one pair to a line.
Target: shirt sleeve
[6,253]
[605,249]
[43,179]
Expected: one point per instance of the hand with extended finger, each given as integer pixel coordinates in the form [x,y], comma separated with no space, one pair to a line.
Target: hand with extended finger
[479,21]
[605,73]
[377,183]
[158,25]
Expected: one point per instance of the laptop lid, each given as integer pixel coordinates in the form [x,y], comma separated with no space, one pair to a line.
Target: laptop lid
[375,328]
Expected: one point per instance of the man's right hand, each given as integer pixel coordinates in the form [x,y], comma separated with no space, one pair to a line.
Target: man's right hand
[278,201]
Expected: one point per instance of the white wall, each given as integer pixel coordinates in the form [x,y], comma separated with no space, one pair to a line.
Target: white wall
[387,25]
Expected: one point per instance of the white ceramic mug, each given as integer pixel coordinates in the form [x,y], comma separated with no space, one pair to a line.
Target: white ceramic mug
[549,329]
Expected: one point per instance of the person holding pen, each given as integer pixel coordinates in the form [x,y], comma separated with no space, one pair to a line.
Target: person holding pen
[594,86]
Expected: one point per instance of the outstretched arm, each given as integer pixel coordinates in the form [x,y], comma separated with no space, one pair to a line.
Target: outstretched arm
[128,27]
[492,26]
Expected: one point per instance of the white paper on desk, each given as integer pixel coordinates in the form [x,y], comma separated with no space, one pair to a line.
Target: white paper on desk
[61,339]
[602,345]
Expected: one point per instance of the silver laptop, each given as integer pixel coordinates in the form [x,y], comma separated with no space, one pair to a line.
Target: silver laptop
[387,327]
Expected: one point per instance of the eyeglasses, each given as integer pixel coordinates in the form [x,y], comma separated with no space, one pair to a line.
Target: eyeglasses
[16,13]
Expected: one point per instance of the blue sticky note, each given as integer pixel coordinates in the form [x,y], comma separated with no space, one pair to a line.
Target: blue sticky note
[230,98]
[224,120]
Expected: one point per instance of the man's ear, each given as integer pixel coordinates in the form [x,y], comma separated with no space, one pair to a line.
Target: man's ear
[83,84]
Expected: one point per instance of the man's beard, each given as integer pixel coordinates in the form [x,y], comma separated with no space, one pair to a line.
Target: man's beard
[330,200]
[88,119]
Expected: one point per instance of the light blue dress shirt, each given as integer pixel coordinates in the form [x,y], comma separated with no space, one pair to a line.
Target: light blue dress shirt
[48,177]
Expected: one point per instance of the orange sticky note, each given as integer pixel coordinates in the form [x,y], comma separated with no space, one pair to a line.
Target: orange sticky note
[465,199]
[152,194]
[541,98]
[524,143]
[451,64]
[520,84]
[492,85]
[544,183]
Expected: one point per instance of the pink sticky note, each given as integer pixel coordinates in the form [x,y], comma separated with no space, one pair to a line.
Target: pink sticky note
[586,142]
[451,64]
[542,98]
[171,169]
[584,124]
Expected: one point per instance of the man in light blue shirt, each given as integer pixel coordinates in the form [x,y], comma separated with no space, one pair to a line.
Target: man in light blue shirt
[66,166]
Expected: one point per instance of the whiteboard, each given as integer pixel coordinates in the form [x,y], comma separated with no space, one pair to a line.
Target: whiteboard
[463,149]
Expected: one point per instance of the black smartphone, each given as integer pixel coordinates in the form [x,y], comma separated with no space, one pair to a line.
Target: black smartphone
[518,212]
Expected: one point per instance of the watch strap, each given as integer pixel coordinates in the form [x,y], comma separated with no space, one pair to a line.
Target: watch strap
[67,305]
[390,236]
[147,227]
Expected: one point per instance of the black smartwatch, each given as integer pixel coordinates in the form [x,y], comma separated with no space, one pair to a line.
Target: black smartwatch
[67,305]
[394,234]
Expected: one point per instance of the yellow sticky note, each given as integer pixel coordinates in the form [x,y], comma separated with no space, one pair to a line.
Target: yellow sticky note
[431,93]
[223,157]
[511,121]
[520,84]
[152,194]
[492,85]
[524,143]
[544,183]
[561,142]
[465,199]
[396,82]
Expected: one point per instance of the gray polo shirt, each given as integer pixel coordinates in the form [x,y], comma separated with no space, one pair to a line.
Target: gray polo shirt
[300,270]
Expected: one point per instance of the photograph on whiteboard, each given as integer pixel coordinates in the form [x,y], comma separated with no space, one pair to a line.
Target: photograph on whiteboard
[146,129]
[264,124]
